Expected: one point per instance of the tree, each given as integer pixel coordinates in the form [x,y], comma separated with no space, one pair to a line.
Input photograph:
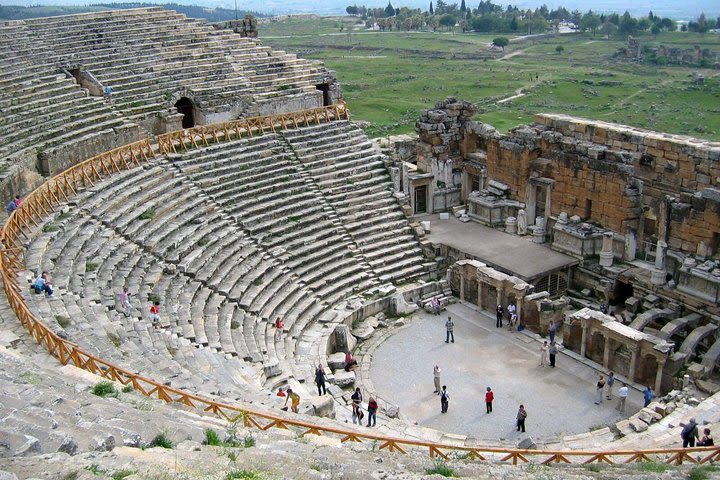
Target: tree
[514,24]
[447,21]
[608,29]
[590,22]
[431,9]
[462,6]
[501,42]
[389,10]
[655,29]
[559,49]
[628,25]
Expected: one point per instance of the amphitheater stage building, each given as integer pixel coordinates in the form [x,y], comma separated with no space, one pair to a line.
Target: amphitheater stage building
[511,254]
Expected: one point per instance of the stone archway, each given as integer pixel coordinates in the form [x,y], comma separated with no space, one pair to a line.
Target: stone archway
[596,348]
[186,107]
[648,371]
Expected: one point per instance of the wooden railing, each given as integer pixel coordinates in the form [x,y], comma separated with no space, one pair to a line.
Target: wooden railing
[216,132]
[52,194]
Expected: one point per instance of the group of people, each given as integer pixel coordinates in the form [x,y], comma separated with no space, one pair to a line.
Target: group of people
[689,435]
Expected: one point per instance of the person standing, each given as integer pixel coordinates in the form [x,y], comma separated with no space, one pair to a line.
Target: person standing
[357,414]
[498,316]
[689,433]
[449,327]
[489,397]
[552,330]
[609,384]
[648,395]
[552,351]
[511,311]
[622,397]
[543,353]
[436,379]
[444,399]
[279,325]
[521,416]
[372,412]
[320,380]
[124,300]
[155,313]
[599,387]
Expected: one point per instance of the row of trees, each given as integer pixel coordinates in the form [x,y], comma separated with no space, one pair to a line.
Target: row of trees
[489,17]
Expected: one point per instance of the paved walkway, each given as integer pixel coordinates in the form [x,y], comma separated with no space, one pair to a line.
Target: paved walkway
[559,401]
[508,253]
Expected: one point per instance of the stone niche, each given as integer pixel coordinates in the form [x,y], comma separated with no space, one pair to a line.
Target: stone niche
[577,238]
[490,206]
[638,356]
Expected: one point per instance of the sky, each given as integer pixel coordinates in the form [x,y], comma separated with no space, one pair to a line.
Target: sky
[677,10]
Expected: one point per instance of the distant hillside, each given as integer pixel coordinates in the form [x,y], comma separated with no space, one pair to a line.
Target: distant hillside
[15,12]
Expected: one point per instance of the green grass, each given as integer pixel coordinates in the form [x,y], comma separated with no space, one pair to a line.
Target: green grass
[104,389]
[161,440]
[127,389]
[654,467]
[50,227]
[94,469]
[440,468]
[389,77]
[147,214]
[212,438]
[120,474]
[703,472]
[62,321]
[244,475]
[31,378]
[234,324]
[91,267]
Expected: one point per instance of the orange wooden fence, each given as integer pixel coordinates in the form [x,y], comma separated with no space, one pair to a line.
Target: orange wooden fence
[202,135]
[41,203]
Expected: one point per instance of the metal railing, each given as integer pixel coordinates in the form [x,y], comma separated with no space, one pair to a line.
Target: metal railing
[53,193]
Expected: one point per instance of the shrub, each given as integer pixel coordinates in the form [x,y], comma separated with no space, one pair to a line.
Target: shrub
[249,441]
[114,339]
[120,474]
[153,297]
[559,49]
[439,468]
[104,389]
[243,475]
[702,473]
[147,214]
[161,440]
[127,389]
[90,267]
[50,227]
[212,438]
[234,325]
[654,467]
[62,321]
[203,241]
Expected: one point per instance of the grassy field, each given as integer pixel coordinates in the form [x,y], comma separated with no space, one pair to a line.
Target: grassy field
[388,77]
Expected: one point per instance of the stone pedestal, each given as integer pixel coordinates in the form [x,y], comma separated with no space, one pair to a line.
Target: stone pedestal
[606,254]
[538,230]
[511,225]
[658,273]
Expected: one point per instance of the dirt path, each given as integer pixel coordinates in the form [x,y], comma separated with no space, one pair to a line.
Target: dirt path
[511,54]
[518,93]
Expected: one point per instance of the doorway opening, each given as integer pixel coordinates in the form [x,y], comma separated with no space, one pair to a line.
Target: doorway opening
[186,107]
[421,199]
[325,89]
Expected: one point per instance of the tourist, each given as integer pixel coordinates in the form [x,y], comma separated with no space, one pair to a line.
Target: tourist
[609,383]
[372,412]
[295,400]
[320,380]
[543,353]
[511,309]
[279,325]
[18,201]
[622,397]
[280,392]
[689,433]
[449,327]
[155,313]
[444,399]
[498,316]
[489,397]
[706,440]
[124,299]
[107,93]
[600,386]
[648,395]
[11,206]
[521,416]
[357,414]
[552,329]
[435,306]
[552,351]
[436,379]
[350,362]
[42,284]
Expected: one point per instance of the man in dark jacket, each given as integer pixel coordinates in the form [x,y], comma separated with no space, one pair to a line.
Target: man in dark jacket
[320,380]
[689,433]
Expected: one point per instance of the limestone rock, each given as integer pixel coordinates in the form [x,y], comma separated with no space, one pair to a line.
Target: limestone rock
[104,443]
[344,379]
[393,411]
[336,361]
[7,475]
[68,445]
[272,369]
[363,332]
[638,425]
[344,341]
[527,444]
[32,447]
[323,406]
[133,440]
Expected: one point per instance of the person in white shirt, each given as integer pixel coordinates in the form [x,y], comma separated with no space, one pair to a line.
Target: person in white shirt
[622,395]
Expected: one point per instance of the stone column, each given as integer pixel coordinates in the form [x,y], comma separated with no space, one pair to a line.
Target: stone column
[606,351]
[395,176]
[658,274]
[511,225]
[633,362]
[606,255]
[548,202]
[583,340]
[462,287]
[658,376]
[539,230]
[479,294]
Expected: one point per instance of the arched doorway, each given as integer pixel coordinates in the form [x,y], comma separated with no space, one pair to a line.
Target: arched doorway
[186,107]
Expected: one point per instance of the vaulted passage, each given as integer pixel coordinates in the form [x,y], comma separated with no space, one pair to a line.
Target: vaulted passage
[187,108]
